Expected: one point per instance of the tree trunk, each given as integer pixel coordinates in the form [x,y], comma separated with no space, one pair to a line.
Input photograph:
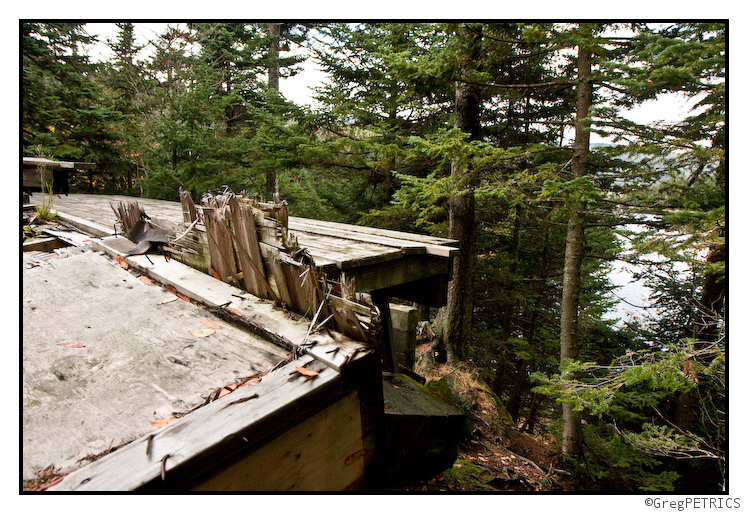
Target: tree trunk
[271,174]
[572,428]
[506,324]
[707,322]
[457,317]
[514,402]
[273,55]
[457,329]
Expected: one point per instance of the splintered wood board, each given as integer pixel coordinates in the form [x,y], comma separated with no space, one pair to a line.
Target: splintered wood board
[257,315]
[331,244]
[139,362]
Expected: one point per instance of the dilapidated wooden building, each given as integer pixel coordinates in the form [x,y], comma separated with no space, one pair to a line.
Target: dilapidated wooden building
[40,174]
[162,353]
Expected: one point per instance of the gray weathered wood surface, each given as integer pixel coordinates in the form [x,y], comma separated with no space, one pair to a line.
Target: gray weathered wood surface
[139,362]
[259,316]
[223,426]
[334,246]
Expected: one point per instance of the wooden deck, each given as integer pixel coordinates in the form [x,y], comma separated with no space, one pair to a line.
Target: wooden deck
[377,259]
[105,355]
[109,352]
[135,359]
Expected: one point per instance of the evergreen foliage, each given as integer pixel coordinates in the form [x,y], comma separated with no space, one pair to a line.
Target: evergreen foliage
[200,108]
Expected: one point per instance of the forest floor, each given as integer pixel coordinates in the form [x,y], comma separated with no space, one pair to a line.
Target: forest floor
[496,456]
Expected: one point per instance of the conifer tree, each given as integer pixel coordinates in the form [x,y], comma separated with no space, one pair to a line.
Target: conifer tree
[62,107]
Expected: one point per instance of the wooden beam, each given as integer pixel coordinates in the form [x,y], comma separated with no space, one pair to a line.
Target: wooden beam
[87,226]
[249,253]
[322,453]
[188,206]
[219,242]
[388,351]
[410,268]
[207,437]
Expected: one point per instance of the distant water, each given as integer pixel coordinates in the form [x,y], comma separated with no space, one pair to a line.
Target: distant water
[634,297]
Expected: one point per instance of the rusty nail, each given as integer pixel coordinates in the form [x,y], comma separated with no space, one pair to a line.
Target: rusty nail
[163,466]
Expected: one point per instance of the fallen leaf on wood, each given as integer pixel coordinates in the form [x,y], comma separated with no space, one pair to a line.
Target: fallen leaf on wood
[171,288]
[306,372]
[215,274]
[353,457]
[226,390]
[210,324]
[202,332]
[237,312]
[183,297]
[172,299]
[145,280]
[72,345]
[122,263]
[162,422]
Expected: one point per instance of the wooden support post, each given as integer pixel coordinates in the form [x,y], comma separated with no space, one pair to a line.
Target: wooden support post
[389,353]
[404,322]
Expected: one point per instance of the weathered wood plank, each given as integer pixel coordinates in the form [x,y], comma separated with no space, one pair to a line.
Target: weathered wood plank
[408,246]
[279,277]
[128,214]
[220,244]
[70,237]
[86,225]
[217,431]
[249,251]
[333,349]
[394,234]
[188,206]
[323,453]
